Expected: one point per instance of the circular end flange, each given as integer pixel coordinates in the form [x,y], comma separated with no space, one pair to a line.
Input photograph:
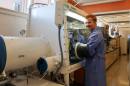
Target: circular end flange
[76,50]
[2,55]
[42,65]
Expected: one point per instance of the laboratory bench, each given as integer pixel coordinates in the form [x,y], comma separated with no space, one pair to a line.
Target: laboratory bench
[110,58]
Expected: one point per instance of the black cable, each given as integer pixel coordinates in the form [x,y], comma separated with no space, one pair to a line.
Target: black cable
[59,28]
[62,77]
[51,75]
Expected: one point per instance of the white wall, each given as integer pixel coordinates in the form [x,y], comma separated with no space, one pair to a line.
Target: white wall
[124,32]
[12,22]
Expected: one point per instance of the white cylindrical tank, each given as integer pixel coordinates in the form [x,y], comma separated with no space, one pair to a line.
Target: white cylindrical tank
[19,52]
[48,63]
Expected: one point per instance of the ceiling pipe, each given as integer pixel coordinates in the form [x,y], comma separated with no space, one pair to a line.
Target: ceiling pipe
[77,2]
[110,29]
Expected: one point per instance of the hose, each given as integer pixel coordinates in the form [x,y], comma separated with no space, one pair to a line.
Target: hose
[30,15]
[59,28]
[35,4]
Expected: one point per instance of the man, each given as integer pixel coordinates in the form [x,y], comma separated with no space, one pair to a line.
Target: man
[107,34]
[95,71]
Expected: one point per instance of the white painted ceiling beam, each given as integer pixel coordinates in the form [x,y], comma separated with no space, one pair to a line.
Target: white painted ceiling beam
[85,3]
[118,20]
[102,20]
[112,12]
[124,26]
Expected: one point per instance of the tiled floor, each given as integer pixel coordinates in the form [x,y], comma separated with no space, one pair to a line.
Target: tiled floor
[117,73]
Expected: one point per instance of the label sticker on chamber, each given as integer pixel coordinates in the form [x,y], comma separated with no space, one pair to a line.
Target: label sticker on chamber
[20,56]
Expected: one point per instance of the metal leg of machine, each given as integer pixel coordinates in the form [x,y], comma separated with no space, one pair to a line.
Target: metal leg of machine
[66,78]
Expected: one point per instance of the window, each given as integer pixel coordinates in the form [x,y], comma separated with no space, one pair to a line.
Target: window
[21,5]
[11,4]
[7,4]
[17,5]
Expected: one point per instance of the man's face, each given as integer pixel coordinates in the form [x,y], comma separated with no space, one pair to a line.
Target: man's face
[91,25]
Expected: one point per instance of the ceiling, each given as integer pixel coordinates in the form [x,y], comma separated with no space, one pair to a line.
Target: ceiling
[92,2]
[116,15]
[123,20]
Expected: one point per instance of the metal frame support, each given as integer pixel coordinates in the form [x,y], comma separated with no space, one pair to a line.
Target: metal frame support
[66,78]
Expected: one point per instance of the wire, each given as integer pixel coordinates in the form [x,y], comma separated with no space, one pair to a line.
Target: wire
[40,78]
[77,2]
[59,28]
[43,76]
[33,72]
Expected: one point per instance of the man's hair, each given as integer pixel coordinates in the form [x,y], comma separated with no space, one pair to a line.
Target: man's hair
[94,18]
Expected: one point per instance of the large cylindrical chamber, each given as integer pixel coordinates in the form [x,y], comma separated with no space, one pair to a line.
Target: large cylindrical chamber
[19,52]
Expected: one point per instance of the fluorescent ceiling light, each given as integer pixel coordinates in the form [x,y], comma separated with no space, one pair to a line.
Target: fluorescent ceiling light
[76,16]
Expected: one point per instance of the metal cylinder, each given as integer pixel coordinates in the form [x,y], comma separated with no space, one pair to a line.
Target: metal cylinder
[19,52]
[48,63]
